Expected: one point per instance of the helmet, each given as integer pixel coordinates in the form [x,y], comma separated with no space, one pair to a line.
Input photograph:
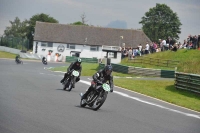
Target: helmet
[108,69]
[78,61]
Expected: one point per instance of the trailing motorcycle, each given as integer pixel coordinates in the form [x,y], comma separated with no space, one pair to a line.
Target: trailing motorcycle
[18,61]
[96,97]
[70,81]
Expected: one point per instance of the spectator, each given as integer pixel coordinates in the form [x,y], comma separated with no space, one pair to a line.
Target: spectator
[190,46]
[194,41]
[147,48]
[130,53]
[174,47]
[198,41]
[140,49]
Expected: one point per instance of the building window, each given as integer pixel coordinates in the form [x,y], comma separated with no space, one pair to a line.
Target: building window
[43,44]
[94,48]
[49,44]
[70,46]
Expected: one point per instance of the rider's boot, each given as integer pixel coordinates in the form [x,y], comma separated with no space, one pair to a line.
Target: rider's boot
[86,93]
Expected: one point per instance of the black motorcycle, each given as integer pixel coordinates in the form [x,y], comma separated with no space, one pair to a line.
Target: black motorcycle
[44,61]
[18,61]
[70,81]
[96,97]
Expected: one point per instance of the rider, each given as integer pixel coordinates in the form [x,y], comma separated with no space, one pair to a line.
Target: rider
[76,66]
[43,59]
[100,77]
[17,58]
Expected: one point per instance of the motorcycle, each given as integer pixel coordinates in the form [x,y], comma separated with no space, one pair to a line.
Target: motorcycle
[70,81]
[96,97]
[18,61]
[44,61]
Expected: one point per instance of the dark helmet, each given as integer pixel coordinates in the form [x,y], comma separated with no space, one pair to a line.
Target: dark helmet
[78,61]
[108,69]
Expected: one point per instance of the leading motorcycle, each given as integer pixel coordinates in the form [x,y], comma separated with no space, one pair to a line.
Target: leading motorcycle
[96,97]
[44,61]
[70,81]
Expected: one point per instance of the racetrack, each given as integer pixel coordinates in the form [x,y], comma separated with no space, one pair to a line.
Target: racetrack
[32,101]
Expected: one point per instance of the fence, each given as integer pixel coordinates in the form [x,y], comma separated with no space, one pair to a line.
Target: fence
[155,61]
[15,42]
[88,60]
[189,82]
[141,71]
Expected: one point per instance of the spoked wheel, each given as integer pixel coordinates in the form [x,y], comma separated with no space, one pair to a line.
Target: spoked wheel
[64,85]
[70,86]
[99,102]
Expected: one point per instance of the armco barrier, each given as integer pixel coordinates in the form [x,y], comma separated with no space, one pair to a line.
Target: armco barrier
[116,68]
[141,71]
[186,81]
[88,60]
[151,72]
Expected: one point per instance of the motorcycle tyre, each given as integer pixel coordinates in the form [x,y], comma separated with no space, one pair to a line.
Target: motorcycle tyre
[102,101]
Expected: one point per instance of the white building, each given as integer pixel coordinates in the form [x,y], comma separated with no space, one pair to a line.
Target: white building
[83,41]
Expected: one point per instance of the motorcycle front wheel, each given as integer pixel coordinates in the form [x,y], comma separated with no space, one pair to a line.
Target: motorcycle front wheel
[99,101]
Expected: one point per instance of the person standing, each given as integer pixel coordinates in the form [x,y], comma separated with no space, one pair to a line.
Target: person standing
[147,48]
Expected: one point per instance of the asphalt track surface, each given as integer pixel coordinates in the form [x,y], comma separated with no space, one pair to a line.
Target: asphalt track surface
[32,101]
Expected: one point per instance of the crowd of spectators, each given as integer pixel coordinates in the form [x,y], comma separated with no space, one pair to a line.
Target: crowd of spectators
[192,42]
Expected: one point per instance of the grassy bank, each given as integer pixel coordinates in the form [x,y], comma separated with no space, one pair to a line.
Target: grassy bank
[7,55]
[163,90]
[189,60]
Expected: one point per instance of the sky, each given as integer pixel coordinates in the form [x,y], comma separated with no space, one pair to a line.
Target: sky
[124,14]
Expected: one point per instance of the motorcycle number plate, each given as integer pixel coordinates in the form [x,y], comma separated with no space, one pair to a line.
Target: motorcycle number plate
[75,73]
[106,87]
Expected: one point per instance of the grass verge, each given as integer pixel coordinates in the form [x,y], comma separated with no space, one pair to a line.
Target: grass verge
[163,90]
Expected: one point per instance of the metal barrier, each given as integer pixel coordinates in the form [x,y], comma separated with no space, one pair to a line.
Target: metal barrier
[186,81]
[155,62]
[141,71]
[88,60]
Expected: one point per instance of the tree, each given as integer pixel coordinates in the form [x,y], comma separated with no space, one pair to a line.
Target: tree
[82,22]
[17,29]
[161,22]
[78,23]
[83,16]
[31,28]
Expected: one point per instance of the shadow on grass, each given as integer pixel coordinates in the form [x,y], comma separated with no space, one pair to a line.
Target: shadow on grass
[185,93]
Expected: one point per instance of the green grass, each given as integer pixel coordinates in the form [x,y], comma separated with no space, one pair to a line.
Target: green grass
[189,60]
[7,55]
[88,69]
[163,90]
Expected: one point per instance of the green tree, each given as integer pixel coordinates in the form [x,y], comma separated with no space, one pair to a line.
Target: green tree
[17,29]
[78,23]
[161,22]
[31,28]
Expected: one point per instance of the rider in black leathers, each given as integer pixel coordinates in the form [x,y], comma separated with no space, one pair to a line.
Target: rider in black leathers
[100,77]
[43,60]
[75,66]
[17,58]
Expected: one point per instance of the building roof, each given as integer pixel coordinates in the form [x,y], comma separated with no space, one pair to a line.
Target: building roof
[89,35]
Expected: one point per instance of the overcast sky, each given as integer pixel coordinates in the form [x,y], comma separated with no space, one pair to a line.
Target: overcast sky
[105,13]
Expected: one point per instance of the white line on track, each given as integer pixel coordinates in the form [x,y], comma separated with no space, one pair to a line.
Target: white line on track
[150,103]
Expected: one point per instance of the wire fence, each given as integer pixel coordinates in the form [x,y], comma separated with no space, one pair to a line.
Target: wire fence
[15,42]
